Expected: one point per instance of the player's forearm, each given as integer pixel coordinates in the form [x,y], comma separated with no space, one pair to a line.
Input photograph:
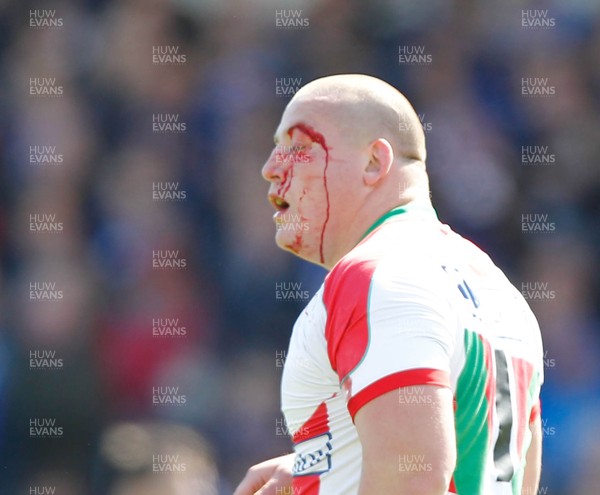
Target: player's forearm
[533,469]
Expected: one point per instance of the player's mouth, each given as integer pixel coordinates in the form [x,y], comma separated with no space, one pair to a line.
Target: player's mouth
[278,203]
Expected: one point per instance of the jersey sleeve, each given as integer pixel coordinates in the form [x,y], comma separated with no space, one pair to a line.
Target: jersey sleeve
[388,326]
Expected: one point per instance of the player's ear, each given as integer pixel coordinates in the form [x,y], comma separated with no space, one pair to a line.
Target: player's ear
[381,157]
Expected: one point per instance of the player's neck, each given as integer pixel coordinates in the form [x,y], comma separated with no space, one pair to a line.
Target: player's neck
[364,224]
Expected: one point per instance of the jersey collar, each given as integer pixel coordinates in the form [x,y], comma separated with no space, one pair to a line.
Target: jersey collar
[423,210]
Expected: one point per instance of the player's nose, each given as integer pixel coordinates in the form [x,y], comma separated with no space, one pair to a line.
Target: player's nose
[271,170]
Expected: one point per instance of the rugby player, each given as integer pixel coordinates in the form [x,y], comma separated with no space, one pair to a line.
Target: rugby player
[416,368]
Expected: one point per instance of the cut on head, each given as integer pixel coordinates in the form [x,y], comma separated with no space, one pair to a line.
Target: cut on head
[366,108]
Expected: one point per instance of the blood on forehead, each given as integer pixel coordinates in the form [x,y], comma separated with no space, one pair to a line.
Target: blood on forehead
[318,138]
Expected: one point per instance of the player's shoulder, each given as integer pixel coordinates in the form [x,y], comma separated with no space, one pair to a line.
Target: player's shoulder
[349,280]
[398,254]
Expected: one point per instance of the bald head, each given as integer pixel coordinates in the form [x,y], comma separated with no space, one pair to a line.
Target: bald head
[367,108]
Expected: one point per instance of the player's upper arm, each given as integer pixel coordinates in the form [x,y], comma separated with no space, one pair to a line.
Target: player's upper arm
[388,327]
[408,446]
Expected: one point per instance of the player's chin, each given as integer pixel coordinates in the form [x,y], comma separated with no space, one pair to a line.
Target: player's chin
[289,238]
[284,238]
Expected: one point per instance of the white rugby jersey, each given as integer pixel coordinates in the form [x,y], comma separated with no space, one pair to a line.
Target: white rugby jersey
[413,304]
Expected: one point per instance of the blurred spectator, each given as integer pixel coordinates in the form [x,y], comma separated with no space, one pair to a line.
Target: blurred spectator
[154,459]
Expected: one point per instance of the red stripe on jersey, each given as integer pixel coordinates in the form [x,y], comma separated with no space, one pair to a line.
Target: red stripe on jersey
[317,424]
[305,485]
[523,374]
[490,386]
[346,297]
[407,378]
[452,487]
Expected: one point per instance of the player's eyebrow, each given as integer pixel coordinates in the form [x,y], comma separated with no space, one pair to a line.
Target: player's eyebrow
[287,132]
[291,128]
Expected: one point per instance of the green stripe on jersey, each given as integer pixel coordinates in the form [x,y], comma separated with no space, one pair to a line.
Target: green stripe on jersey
[392,213]
[471,418]
[426,209]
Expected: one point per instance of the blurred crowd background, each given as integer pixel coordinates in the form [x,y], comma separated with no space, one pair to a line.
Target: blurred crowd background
[226,364]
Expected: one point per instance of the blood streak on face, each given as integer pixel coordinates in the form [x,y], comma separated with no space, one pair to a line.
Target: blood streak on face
[297,245]
[288,174]
[287,180]
[318,138]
